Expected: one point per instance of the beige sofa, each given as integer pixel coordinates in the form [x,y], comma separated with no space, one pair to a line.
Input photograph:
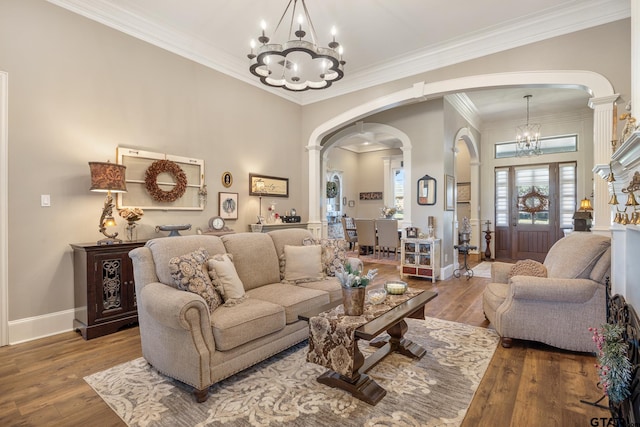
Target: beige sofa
[181,339]
[557,309]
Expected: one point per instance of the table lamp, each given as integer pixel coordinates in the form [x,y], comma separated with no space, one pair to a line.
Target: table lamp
[582,217]
[260,190]
[107,177]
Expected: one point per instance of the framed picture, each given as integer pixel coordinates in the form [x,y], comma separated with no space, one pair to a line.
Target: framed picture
[371,195]
[228,205]
[450,187]
[227,179]
[344,201]
[464,192]
[262,185]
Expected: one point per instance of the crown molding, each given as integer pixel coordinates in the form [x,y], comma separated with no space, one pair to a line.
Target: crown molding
[550,23]
[466,108]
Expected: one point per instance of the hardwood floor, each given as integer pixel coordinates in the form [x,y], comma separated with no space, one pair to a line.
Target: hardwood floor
[41,382]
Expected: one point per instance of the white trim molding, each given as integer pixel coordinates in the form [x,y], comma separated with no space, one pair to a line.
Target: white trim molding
[4,209]
[32,328]
[552,22]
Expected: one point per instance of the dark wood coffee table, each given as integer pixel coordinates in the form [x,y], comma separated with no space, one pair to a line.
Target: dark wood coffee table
[393,322]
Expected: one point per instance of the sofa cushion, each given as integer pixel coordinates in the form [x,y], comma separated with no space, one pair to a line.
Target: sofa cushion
[602,269]
[302,264]
[238,324]
[254,257]
[294,299]
[574,256]
[189,274]
[164,248]
[330,285]
[226,277]
[527,267]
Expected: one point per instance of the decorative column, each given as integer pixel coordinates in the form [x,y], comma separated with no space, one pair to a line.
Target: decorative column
[387,189]
[602,137]
[409,189]
[635,59]
[314,224]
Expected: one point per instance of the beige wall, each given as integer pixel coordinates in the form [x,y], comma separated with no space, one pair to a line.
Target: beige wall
[79,89]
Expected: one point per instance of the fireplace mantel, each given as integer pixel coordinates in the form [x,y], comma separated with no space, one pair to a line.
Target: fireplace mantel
[625,243]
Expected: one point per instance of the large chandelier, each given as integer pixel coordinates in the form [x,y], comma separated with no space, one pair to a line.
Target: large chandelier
[298,64]
[528,137]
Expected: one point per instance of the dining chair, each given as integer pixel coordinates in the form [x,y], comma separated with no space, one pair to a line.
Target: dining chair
[366,230]
[349,231]
[388,238]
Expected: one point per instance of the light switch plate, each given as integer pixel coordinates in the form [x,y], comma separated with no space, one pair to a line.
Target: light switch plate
[45,200]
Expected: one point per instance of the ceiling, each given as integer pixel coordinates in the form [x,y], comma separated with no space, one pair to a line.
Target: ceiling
[383,40]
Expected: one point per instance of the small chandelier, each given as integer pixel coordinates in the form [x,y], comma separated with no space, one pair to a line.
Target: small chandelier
[298,64]
[528,137]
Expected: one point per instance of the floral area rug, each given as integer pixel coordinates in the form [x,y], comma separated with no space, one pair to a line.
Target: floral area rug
[482,270]
[435,390]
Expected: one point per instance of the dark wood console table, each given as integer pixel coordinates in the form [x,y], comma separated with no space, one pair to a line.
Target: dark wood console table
[104,290]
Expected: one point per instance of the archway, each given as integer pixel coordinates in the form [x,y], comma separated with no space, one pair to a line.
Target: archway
[595,84]
[373,128]
[471,144]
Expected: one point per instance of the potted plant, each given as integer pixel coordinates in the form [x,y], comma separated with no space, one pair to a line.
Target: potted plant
[353,288]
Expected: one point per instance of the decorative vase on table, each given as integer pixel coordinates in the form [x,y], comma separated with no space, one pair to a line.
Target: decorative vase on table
[353,301]
[353,288]
[132,215]
[132,232]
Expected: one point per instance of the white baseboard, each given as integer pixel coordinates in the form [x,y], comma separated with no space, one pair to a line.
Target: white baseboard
[446,272]
[32,328]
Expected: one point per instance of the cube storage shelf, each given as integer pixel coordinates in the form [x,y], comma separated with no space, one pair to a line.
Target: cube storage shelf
[420,258]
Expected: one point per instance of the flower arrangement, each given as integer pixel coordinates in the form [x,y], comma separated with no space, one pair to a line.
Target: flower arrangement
[388,212]
[354,279]
[131,214]
[614,367]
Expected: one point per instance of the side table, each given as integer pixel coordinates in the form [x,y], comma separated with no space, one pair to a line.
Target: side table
[104,290]
[464,249]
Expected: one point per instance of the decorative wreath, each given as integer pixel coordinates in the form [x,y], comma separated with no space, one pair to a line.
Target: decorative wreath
[151,177]
[332,189]
[534,201]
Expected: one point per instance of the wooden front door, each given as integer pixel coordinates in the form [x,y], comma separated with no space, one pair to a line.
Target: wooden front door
[526,211]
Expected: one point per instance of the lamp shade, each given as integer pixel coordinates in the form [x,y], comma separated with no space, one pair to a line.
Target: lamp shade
[585,205]
[107,176]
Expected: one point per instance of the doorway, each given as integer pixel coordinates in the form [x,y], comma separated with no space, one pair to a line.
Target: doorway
[532,206]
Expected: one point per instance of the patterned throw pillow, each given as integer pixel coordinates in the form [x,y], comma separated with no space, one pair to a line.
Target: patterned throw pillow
[334,253]
[188,274]
[527,267]
[226,279]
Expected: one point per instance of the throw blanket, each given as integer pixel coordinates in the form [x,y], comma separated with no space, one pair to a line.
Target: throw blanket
[332,342]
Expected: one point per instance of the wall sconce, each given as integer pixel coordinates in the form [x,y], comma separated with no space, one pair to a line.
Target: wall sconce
[107,177]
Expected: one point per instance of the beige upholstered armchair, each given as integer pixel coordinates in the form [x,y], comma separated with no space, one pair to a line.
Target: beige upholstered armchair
[557,309]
